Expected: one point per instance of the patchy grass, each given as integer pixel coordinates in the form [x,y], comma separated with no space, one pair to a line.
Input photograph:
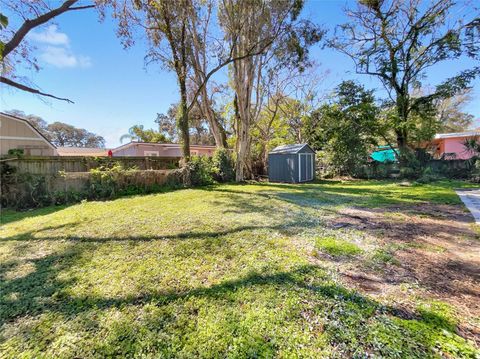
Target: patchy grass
[337,247]
[383,256]
[221,271]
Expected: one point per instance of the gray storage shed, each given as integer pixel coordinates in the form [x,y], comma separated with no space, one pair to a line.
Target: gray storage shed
[291,163]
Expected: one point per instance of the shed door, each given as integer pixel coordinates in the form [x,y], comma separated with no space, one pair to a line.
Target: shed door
[306,167]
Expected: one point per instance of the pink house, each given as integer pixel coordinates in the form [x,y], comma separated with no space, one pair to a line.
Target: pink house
[141,149]
[451,145]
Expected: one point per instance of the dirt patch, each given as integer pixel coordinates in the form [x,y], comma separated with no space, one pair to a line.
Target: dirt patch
[435,250]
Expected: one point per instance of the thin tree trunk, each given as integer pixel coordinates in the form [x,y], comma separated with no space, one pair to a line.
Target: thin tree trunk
[183,120]
[217,129]
[402,113]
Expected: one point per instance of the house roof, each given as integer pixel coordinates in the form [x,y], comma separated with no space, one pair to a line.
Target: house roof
[167,145]
[290,149]
[82,151]
[456,134]
[33,128]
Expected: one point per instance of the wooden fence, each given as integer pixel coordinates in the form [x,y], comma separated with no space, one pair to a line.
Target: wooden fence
[53,165]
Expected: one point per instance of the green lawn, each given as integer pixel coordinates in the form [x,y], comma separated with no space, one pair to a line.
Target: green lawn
[225,271]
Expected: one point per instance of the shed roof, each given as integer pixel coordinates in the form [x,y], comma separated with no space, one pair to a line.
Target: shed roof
[290,149]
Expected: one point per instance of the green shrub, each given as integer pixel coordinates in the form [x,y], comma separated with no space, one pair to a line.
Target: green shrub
[428,176]
[200,171]
[223,166]
[25,191]
[15,152]
[107,182]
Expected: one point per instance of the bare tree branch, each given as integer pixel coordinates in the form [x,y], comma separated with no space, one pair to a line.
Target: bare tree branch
[40,20]
[30,89]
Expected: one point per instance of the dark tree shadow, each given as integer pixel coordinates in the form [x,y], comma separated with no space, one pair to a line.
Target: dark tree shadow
[10,216]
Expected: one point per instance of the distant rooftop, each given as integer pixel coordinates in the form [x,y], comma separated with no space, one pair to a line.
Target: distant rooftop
[82,151]
[160,144]
[289,148]
[457,134]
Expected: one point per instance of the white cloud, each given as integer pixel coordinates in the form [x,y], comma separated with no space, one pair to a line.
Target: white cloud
[50,36]
[56,49]
[62,57]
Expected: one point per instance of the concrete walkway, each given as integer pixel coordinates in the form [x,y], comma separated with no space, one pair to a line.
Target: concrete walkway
[471,198]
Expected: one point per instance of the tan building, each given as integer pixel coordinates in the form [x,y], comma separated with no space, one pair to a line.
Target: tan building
[140,149]
[18,133]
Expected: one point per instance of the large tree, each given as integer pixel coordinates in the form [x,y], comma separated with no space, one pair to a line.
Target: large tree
[65,135]
[177,30]
[397,41]
[289,95]
[451,115]
[268,31]
[347,128]
[14,47]
[199,127]
[165,23]
[139,133]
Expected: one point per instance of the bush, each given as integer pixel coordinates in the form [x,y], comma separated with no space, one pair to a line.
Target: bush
[105,182]
[200,171]
[428,176]
[23,190]
[223,166]
[410,166]
[15,152]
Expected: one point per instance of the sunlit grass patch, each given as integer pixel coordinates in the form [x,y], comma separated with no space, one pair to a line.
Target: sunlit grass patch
[336,247]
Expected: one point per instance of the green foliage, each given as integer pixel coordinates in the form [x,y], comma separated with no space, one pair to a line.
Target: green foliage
[422,36]
[16,152]
[383,256]
[429,175]
[105,182]
[472,145]
[345,130]
[62,134]
[138,133]
[201,170]
[337,247]
[223,166]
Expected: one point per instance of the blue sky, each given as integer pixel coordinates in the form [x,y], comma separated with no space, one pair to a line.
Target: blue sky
[82,59]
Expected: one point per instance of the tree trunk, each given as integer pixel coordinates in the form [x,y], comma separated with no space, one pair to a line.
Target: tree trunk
[402,113]
[401,130]
[182,119]
[264,157]
[217,129]
[241,167]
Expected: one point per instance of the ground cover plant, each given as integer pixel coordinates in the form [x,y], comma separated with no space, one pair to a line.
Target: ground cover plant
[327,269]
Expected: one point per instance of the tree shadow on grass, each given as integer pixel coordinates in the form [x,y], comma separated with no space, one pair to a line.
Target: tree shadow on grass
[35,235]
[349,318]
[10,216]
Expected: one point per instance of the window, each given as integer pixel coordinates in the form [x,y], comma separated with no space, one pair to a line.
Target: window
[150,153]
